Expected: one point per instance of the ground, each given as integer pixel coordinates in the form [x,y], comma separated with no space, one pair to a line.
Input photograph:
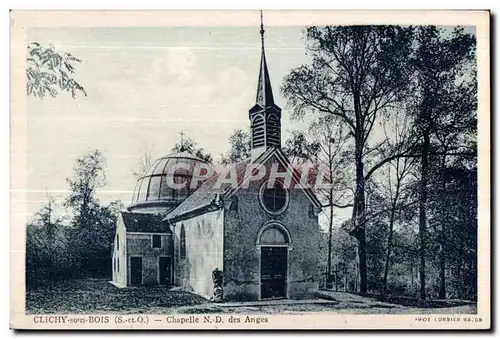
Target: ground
[99,296]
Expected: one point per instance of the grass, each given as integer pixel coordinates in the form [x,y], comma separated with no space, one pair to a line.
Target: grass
[99,296]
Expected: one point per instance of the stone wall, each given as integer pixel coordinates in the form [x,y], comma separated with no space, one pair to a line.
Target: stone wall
[242,255]
[141,244]
[119,265]
[204,247]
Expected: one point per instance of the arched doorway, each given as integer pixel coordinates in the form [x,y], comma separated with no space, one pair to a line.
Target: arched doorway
[274,244]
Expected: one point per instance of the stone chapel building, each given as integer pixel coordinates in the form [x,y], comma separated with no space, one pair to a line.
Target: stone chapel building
[264,240]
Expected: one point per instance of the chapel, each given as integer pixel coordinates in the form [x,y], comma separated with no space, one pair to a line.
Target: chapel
[264,240]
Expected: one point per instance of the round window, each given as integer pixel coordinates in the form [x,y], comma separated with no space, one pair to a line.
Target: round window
[274,199]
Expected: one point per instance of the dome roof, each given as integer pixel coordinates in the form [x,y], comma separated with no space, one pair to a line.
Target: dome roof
[152,190]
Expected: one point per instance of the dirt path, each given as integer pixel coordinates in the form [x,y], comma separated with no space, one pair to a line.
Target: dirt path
[337,302]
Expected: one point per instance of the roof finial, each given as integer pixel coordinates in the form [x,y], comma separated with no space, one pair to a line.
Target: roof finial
[264,91]
[182,148]
[262,28]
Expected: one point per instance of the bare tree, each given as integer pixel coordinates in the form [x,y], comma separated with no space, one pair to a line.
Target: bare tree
[332,154]
[144,163]
[357,73]
[398,133]
[326,147]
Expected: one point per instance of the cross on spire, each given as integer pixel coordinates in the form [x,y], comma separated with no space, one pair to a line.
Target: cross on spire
[264,92]
[262,29]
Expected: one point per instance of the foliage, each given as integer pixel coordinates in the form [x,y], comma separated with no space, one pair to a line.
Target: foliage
[299,149]
[239,147]
[56,250]
[357,74]
[453,210]
[89,176]
[48,72]
[190,145]
[47,252]
[418,84]
[444,106]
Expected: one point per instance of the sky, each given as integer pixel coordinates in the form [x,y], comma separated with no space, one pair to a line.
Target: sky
[145,86]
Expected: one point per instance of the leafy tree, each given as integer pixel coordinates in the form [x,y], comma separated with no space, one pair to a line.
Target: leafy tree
[46,246]
[48,72]
[452,238]
[89,176]
[92,244]
[115,207]
[239,147]
[93,224]
[190,145]
[357,73]
[444,106]
[299,149]
[343,255]
[376,245]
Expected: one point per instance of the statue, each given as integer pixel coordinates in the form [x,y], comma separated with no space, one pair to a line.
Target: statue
[217,279]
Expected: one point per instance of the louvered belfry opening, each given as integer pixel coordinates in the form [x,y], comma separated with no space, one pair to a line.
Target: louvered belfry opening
[258,131]
[273,131]
[265,115]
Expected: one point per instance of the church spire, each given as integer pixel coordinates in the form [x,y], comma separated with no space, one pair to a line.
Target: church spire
[264,91]
[265,115]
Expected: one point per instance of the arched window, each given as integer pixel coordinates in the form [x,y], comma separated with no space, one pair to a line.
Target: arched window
[166,191]
[183,242]
[143,189]
[154,188]
[117,242]
[274,234]
[275,199]
[136,191]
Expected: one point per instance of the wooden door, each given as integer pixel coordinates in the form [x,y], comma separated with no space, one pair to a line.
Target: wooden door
[165,264]
[136,270]
[273,271]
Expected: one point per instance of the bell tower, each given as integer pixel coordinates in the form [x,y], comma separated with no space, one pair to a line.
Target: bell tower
[265,115]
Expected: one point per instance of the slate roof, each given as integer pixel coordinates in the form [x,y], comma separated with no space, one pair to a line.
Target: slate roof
[264,98]
[144,222]
[206,195]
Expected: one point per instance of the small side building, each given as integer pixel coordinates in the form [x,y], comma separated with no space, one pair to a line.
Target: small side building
[143,247]
[142,252]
